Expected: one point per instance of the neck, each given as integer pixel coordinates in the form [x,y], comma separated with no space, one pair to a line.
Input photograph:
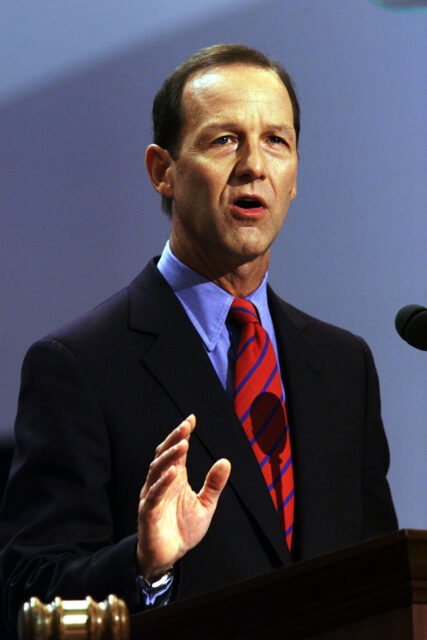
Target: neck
[239,277]
[243,280]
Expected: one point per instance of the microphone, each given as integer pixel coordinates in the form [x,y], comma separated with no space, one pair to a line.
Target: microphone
[411,325]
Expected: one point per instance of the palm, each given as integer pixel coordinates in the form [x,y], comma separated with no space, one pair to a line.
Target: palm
[172,517]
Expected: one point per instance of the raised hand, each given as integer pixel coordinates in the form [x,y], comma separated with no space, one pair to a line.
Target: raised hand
[172,518]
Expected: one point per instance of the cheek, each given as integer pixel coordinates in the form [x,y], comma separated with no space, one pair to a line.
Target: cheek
[287,184]
[190,178]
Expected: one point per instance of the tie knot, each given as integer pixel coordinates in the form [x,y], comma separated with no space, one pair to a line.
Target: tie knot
[243,312]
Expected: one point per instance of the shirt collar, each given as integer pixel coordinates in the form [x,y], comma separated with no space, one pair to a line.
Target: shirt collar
[206,304]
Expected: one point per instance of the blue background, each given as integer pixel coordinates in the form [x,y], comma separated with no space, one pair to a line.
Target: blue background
[79,218]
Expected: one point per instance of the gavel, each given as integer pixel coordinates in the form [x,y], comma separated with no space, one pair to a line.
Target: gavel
[74,620]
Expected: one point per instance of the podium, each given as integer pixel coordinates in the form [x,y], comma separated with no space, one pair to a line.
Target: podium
[375,590]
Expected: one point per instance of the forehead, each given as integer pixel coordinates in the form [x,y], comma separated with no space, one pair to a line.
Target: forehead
[231,89]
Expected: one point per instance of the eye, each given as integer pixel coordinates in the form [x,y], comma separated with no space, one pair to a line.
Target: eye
[222,140]
[277,140]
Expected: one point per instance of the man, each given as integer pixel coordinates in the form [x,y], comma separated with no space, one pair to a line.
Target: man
[99,395]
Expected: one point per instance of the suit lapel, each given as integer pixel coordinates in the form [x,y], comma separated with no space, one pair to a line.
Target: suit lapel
[176,357]
[312,417]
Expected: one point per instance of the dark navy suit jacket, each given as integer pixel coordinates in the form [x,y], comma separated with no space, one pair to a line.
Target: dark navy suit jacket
[98,396]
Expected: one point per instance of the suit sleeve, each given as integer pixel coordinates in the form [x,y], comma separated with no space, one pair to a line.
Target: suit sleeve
[378,514]
[57,525]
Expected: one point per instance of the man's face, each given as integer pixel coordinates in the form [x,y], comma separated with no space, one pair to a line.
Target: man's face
[236,170]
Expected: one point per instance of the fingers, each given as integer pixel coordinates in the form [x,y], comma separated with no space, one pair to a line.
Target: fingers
[159,488]
[182,431]
[159,466]
[172,451]
[215,483]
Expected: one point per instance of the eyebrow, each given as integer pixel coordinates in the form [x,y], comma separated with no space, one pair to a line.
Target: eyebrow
[230,124]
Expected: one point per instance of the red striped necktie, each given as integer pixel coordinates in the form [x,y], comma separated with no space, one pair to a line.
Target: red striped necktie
[260,406]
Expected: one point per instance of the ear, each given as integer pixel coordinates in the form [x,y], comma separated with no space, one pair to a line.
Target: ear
[294,190]
[294,187]
[161,169]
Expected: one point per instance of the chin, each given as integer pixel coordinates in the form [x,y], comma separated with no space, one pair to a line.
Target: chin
[253,245]
[248,253]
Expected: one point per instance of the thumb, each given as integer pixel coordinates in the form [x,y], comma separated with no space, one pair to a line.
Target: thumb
[214,484]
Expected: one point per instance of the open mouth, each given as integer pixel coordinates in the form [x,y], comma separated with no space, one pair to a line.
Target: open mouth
[248,203]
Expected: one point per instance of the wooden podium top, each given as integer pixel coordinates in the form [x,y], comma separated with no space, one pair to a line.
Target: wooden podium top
[379,583]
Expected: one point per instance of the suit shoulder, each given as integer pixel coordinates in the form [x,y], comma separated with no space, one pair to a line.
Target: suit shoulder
[312,326]
[108,318]
[104,318]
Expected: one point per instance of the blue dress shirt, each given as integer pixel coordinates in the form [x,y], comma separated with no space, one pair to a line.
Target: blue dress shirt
[207,306]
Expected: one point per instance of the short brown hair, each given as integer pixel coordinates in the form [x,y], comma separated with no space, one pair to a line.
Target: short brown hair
[167,105]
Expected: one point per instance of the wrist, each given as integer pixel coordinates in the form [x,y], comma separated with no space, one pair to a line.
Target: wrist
[148,571]
[156,583]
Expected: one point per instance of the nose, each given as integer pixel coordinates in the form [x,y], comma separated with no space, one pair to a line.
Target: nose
[250,162]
